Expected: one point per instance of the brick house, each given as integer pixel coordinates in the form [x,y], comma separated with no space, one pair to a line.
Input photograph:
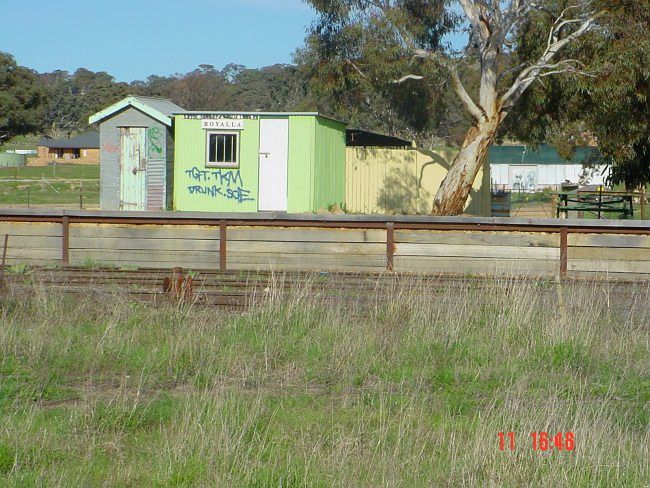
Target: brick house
[81,149]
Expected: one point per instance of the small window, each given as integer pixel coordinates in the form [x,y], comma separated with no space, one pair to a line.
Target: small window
[223,149]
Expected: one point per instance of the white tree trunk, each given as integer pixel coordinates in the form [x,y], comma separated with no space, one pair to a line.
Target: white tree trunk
[455,188]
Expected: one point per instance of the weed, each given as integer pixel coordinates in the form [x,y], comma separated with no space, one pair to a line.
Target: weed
[128,268]
[399,388]
[18,269]
[7,459]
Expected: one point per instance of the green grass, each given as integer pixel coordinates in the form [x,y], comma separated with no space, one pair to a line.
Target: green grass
[63,171]
[522,198]
[40,193]
[40,185]
[98,390]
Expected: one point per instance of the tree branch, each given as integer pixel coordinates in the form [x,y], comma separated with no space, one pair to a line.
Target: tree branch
[479,20]
[472,107]
[475,111]
[554,45]
[355,67]
[564,66]
[476,17]
[407,77]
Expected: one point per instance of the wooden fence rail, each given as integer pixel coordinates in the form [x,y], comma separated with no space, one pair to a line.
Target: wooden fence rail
[619,249]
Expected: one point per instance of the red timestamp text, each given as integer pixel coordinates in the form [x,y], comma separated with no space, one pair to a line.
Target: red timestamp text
[540,441]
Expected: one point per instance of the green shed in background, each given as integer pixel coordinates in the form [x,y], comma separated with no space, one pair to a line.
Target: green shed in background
[258,161]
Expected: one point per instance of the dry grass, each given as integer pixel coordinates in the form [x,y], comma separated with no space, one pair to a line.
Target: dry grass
[303,391]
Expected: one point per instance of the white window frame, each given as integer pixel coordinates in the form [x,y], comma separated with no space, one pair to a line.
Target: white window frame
[208,163]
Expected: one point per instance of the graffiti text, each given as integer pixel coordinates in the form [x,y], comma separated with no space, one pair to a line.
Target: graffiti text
[109,147]
[215,183]
[154,143]
[239,194]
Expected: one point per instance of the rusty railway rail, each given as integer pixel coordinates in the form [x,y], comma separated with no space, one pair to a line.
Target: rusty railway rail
[237,290]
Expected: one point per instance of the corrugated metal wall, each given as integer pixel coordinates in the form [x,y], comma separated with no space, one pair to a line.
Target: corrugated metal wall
[156,185]
[547,174]
[302,139]
[403,181]
[315,171]
[329,174]
[169,170]
[204,189]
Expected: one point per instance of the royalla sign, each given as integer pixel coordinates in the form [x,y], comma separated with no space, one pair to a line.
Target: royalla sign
[220,124]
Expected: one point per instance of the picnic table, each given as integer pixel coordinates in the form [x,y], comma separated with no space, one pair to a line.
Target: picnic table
[598,202]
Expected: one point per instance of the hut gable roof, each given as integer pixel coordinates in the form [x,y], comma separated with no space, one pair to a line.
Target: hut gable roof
[159,109]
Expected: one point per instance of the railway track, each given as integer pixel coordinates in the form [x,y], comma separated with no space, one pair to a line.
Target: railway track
[242,289]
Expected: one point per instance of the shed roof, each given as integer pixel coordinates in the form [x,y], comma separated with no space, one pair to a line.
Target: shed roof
[263,114]
[86,140]
[544,154]
[360,137]
[159,109]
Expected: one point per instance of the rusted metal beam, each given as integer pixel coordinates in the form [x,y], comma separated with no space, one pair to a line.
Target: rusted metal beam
[390,245]
[333,222]
[20,218]
[476,227]
[65,240]
[600,230]
[223,245]
[328,224]
[564,251]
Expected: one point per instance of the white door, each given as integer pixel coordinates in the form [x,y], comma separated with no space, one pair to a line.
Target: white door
[133,166]
[274,155]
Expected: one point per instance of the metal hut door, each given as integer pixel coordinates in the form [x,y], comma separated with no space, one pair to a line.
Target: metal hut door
[274,156]
[133,169]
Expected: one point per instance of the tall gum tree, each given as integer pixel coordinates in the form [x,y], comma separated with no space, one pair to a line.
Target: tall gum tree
[22,100]
[418,27]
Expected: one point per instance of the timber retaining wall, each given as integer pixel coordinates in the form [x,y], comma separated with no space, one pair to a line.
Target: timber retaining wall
[492,246]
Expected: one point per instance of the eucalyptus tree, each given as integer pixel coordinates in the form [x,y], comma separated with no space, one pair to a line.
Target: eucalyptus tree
[73,97]
[610,106]
[419,30]
[21,99]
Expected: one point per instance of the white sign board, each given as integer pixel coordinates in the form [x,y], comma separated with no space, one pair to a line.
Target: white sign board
[523,178]
[222,124]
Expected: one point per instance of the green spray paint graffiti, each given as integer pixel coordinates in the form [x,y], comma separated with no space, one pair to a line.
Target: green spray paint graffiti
[154,143]
[227,184]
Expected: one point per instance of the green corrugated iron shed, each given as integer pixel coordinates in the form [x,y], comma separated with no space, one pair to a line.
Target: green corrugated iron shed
[258,161]
[543,154]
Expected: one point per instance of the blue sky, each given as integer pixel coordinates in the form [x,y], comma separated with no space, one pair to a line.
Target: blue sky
[132,39]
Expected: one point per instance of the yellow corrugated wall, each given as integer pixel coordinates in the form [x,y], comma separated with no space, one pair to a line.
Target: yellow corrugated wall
[403,181]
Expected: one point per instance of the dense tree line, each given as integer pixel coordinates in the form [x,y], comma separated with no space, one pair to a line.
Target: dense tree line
[22,99]
[62,101]
[59,103]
